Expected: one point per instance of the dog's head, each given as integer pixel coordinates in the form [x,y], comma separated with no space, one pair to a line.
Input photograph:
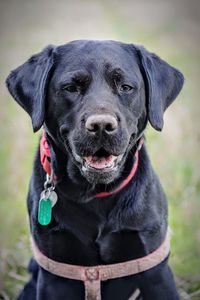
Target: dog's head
[95,98]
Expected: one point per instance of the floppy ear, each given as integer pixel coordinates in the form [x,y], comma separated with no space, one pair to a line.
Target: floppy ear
[28,83]
[163,84]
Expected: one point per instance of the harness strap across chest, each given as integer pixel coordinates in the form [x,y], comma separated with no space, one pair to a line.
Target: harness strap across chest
[92,276]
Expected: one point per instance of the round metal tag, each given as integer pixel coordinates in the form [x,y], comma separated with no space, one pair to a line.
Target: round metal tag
[54,198]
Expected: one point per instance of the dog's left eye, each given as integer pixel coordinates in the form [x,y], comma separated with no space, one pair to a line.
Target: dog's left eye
[71,88]
[125,88]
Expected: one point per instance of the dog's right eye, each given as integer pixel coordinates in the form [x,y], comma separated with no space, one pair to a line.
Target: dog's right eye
[71,88]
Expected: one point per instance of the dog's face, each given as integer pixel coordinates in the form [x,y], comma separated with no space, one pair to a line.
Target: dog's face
[95,99]
[96,105]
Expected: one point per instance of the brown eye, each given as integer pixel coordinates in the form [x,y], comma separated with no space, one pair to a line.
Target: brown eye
[71,88]
[125,88]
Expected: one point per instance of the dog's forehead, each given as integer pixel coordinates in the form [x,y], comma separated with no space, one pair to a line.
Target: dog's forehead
[96,54]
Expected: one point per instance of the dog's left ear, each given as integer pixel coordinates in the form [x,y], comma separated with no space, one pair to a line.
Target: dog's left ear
[163,84]
[28,83]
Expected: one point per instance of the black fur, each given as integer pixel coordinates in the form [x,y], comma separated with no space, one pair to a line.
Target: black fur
[60,88]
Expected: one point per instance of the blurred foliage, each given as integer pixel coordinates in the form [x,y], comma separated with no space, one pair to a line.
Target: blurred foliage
[167,28]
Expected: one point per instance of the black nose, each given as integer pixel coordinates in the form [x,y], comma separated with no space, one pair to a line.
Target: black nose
[101,123]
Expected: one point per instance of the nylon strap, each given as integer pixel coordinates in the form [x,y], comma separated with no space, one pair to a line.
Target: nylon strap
[92,276]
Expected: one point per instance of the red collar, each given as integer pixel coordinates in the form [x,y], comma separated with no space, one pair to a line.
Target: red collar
[45,158]
[45,155]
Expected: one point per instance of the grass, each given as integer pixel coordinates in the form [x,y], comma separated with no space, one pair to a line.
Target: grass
[182,189]
[14,241]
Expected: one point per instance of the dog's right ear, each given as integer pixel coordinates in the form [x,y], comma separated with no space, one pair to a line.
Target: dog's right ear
[28,84]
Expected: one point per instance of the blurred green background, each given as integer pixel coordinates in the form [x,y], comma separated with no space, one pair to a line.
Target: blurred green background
[169,28]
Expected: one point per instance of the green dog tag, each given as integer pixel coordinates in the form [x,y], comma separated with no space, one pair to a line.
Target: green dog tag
[45,211]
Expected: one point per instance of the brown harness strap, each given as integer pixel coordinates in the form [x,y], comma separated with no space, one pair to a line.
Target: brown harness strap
[92,276]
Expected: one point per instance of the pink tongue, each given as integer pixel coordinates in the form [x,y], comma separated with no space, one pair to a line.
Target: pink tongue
[100,162]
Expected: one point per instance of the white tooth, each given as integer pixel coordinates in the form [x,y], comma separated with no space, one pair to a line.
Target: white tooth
[78,158]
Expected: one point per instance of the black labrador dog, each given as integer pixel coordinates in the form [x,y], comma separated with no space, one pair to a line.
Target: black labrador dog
[94,100]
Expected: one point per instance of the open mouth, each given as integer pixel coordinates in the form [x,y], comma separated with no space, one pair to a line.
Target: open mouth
[100,160]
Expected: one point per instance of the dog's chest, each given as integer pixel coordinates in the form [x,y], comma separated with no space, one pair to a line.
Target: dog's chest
[87,239]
